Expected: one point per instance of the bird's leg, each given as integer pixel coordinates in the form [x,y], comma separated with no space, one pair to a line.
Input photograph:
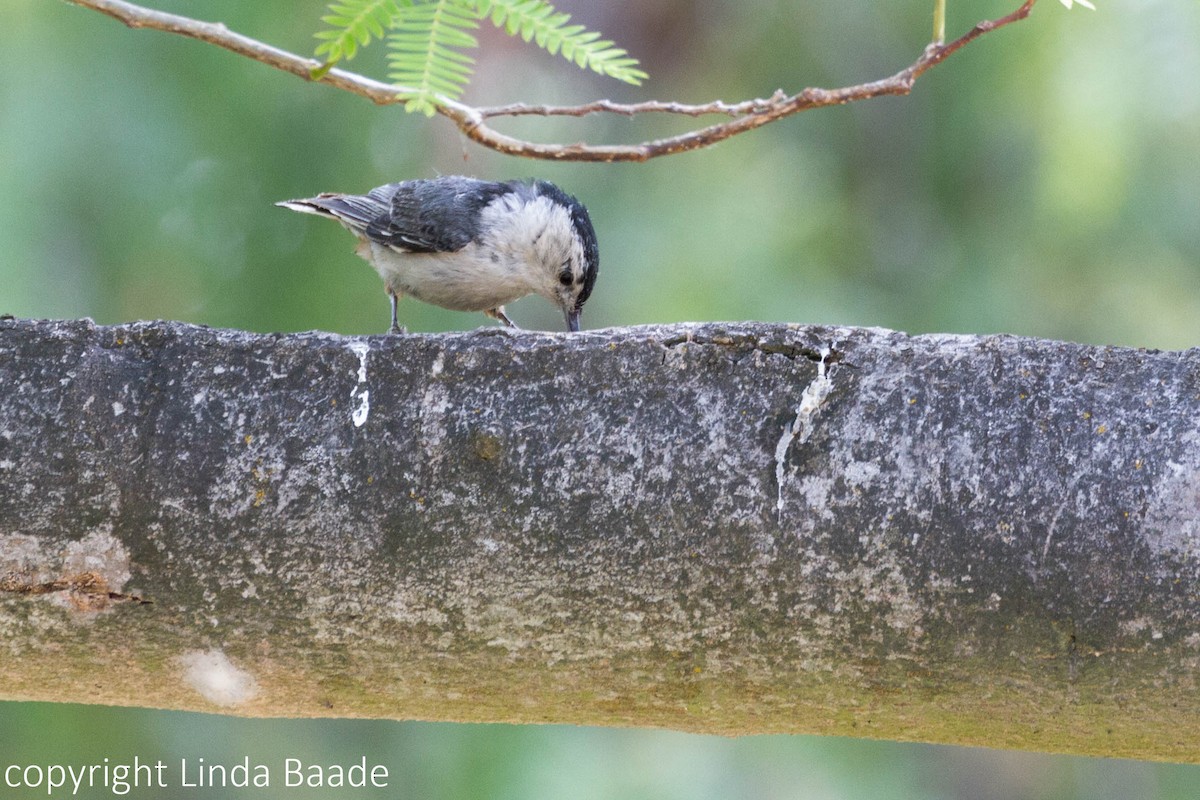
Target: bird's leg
[497,313]
[395,324]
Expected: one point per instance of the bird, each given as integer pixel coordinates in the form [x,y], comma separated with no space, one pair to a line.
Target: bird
[470,245]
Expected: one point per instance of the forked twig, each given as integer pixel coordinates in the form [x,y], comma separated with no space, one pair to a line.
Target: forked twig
[472,121]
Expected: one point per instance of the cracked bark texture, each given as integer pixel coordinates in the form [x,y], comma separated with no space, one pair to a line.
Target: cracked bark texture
[733,528]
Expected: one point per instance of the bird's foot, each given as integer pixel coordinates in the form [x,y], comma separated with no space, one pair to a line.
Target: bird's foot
[497,313]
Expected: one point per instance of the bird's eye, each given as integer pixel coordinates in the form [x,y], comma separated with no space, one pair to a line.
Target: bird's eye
[565,277]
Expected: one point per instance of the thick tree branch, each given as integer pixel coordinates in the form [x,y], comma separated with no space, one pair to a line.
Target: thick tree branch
[729,528]
[471,121]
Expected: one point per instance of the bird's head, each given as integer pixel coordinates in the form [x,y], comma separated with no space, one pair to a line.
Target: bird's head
[563,249]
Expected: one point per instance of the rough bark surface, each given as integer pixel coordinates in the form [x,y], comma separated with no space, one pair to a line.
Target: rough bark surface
[736,528]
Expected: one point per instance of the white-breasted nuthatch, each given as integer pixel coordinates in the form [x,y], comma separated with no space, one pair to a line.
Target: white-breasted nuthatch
[471,245]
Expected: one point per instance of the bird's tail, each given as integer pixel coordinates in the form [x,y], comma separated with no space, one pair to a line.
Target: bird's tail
[354,211]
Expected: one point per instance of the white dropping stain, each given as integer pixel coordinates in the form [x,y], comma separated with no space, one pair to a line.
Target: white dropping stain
[360,392]
[118,409]
[218,681]
[801,428]
[435,403]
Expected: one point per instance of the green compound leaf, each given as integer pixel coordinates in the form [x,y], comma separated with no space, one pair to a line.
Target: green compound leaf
[538,21]
[426,44]
[426,40]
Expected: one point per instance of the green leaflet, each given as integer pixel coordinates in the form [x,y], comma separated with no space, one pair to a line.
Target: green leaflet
[353,23]
[426,45]
[427,40]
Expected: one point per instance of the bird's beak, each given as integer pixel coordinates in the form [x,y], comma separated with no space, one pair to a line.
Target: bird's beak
[572,315]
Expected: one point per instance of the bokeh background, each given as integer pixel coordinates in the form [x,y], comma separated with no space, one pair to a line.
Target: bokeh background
[1045,182]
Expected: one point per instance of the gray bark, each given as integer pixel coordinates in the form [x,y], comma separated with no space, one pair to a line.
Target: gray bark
[737,528]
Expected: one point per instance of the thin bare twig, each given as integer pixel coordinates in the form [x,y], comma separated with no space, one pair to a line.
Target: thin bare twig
[747,115]
[630,109]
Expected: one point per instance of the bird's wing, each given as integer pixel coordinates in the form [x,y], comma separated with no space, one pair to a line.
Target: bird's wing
[438,215]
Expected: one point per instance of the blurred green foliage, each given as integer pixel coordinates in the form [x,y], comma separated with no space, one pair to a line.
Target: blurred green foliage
[446,761]
[1045,181]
